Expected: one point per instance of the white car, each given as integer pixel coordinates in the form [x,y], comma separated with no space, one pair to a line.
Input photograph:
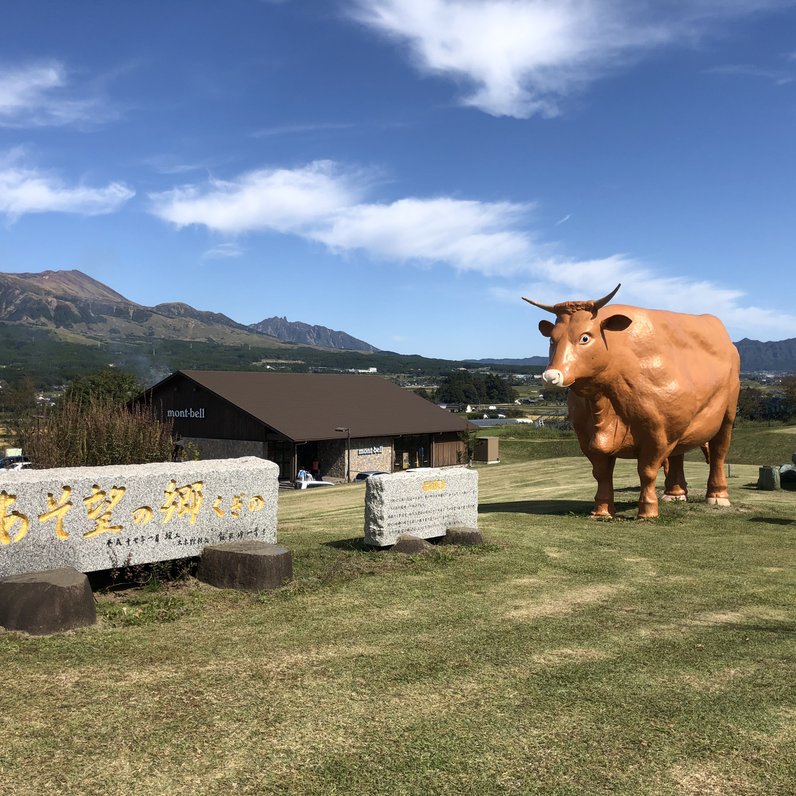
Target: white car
[307,484]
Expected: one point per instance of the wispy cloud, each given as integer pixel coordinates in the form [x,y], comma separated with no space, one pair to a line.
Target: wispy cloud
[301,129]
[25,189]
[524,57]
[325,203]
[563,220]
[281,200]
[223,251]
[470,235]
[561,279]
[41,95]
[779,77]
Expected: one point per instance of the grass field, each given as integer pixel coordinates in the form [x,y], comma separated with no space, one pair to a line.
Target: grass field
[567,656]
[752,443]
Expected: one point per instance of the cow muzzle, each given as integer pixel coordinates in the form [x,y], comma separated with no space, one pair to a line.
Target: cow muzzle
[555,378]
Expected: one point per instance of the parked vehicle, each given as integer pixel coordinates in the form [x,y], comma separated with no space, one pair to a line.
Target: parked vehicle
[15,463]
[365,474]
[310,484]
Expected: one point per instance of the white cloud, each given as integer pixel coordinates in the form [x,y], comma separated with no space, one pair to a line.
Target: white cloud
[40,95]
[24,190]
[282,200]
[522,57]
[558,280]
[470,235]
[321,202]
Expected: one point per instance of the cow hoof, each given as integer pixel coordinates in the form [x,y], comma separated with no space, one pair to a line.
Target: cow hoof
[670,498]
[717,501]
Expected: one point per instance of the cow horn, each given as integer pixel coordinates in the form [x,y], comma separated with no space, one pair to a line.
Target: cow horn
[546,307]
[599,303]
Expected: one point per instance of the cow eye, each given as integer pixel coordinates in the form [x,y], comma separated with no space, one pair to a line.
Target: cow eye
[584,338]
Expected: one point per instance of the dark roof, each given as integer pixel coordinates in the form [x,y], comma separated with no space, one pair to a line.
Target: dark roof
[309,406]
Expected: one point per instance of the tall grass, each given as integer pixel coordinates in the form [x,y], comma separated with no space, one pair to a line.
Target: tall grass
[96,432]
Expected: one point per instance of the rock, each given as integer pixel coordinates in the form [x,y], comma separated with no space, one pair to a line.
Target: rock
[412,545]
[787,475]
[246,566]
[768,478]
[47,602]
[463,536]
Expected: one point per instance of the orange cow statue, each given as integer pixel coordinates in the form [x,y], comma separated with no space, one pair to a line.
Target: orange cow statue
[647,385]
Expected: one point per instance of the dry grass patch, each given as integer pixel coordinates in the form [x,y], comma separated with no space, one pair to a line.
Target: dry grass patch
[565,656]
[710,780]
[550,605]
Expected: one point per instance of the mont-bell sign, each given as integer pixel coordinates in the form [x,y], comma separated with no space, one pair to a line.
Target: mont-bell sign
[197,414]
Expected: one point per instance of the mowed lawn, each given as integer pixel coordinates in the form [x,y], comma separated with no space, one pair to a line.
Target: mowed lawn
[567,656]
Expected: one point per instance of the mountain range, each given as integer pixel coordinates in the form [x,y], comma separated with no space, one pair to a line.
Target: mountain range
[75,308]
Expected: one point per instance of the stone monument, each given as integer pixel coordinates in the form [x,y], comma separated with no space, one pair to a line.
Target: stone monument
[93,518]
[423,503]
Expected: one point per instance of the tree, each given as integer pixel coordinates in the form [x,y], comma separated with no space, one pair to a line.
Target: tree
[19,402]
[789,386]
[110,385]
[473,388]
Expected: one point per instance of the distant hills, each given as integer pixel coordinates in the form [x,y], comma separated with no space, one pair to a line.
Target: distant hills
[774,357]
[304,334]
[45,310]
[74,304]
[756,357]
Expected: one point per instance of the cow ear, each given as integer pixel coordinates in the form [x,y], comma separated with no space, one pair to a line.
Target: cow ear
[615,323]
[546,328]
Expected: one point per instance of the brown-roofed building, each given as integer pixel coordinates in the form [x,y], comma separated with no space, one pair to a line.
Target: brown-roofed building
[308,420]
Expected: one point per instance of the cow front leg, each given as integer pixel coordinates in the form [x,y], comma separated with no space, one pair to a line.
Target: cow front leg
[676,487]
[718,447]
[602,468]
[648,498]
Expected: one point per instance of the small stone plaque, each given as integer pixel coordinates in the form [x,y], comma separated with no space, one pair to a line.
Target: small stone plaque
[423,503]
[93,518]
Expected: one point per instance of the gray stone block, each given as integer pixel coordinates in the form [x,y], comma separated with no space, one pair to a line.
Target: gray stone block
[246,566]
[768,478]
[412,545]
[93,518]
[463,536]
[424,503]
[47,602]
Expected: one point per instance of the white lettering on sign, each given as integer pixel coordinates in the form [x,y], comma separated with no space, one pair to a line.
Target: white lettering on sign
[370,451]
[195,413]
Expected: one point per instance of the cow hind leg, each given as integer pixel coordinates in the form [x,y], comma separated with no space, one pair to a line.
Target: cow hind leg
[676,487]
[718,447]
[648,499]
[602,468]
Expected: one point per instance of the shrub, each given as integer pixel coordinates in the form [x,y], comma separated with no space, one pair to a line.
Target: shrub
[96,431]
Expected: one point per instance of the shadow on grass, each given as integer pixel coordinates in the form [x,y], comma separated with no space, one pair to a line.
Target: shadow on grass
[773,520]
[356,545]
[552,507]
[787,486]
[780,628]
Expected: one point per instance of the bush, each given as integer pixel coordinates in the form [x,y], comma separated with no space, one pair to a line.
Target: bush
[94,431]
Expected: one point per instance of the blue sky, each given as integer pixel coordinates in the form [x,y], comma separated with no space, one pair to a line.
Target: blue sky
[406,170]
